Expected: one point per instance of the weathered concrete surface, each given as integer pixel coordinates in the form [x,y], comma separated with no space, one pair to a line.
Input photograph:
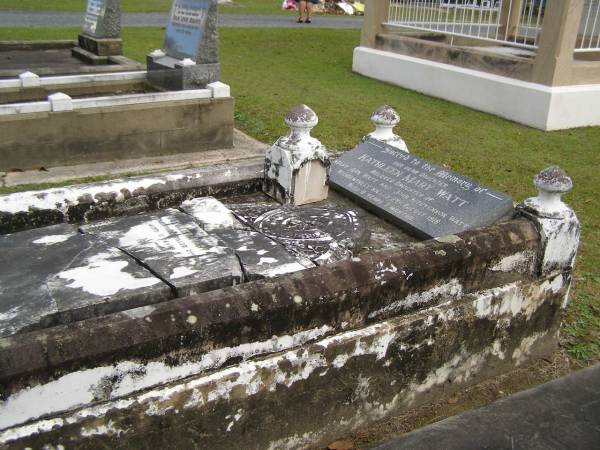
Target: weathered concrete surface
[112,133]
[389,330]
[83,203]
[174,248]
[244,147]
[562,414]
[297,235]
[260,256]
[55,275]
[53,58]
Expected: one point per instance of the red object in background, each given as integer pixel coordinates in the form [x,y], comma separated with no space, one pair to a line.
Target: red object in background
[289,4]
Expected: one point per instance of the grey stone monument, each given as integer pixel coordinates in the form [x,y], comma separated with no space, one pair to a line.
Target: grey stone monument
[101,33]
[189,58]
[417,195]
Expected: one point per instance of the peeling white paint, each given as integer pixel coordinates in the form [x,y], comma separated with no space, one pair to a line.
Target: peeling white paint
[92,278]
[450,290]
[81,388]
[522,352]
[521,261]
[180,272]
[53,239]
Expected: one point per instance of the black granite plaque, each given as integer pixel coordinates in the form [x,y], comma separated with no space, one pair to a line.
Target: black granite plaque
[421,197]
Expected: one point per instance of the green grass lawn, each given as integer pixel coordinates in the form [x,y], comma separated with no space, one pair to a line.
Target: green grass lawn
[236,7]
[270,70]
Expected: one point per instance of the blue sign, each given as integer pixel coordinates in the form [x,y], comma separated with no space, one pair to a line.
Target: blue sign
[185,28]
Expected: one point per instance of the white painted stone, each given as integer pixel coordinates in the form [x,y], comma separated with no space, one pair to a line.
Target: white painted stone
[29,79]
[60,102]
[536,105]
[296,166]
[187,62]
[219,90]
[211,214]
[158,53]
[385,119]
[136,99]
[557,223]
[24,108]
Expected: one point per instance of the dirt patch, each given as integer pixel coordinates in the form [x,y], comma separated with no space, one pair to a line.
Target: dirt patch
[544,370]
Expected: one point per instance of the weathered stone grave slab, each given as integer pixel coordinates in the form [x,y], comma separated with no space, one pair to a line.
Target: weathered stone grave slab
[56,275]
[174,248]
[298,236]
[421,197]
[344,225]
[260,256]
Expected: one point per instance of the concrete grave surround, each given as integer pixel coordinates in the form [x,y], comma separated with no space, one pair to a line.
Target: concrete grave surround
[297,360]
[146,124]
[297,165]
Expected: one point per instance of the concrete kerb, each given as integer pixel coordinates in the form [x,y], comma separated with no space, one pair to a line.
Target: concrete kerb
[244,147]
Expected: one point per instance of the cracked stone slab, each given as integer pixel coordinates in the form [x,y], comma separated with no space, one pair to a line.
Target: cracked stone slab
[174,248]
[298,236]
[211,214]
[345,226]
[56,275]
[260,256]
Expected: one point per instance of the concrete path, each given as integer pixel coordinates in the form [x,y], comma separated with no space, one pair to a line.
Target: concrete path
[66,19]
[562,414]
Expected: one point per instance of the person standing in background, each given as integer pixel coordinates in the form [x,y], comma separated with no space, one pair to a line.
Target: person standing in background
[306,6]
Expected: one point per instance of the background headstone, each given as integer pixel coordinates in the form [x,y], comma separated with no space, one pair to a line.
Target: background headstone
[100,36]
[102,19]
[421,197]
[190,55]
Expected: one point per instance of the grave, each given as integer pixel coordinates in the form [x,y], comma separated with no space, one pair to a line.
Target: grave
[95,117]
[189,58]
[425,199]
[98,48]
[321,318]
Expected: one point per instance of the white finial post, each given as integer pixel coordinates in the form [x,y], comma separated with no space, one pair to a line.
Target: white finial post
[297,165]
[557,223]
[385,119]
[29,79]
[158,53]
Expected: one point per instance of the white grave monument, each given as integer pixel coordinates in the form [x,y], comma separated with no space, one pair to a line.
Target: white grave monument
[297,165]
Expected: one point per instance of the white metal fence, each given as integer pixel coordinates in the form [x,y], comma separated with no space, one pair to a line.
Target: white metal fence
[513,22]
[589,29]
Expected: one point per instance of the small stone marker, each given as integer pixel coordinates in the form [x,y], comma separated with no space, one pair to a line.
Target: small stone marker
[189,58]
[175,248]
[101,32]
[297,165]
[423,198]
